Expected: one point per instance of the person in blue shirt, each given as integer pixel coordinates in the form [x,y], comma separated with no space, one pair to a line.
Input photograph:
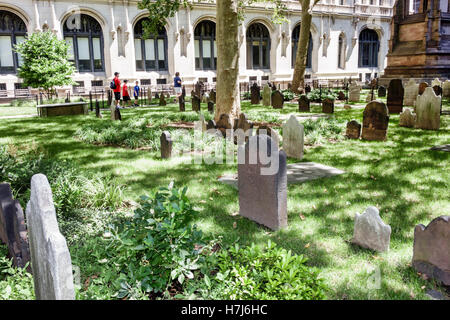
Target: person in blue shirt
[177,84]
[137,91]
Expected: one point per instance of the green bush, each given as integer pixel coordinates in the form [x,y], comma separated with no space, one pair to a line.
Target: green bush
[288,95]
[318,95]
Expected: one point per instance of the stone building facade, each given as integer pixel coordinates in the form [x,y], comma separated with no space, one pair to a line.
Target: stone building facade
[349,38]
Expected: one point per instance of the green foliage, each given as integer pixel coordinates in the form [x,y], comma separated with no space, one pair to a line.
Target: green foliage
[45,61]
[288,95]
[318,95]
[321,130]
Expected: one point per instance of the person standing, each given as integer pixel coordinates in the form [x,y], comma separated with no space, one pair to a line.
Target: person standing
[126,94]
[115,86]
[137,91]
[177,84]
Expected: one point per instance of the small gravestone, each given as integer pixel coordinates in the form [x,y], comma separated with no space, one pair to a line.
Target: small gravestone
[375,121]
[370,231]
[395,96]
[162,100]
[431,253]
[166,145]
[212,96]
[307,89]
[304,105]
[353,130]
[407,118]
[255,94]
[195,102]
[428,110]
[211,125]
[98,114]
[182,103]
[437,90]
[224,124]
[381,91]
[263,184]
[369,97]
[157,95]
[277,100]
[210,107]
[50,257]
[446,89]
[267,96]
[422,87]
[328,106]
[293,138]
[341,95]
[354,93]
[116,115]
[13,231]
[411,92]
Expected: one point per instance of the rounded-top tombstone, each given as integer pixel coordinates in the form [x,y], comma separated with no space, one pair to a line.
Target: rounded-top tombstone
[375,121]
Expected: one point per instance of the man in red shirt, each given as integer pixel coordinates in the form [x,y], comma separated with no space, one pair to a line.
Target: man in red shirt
[117,89]
[126,94]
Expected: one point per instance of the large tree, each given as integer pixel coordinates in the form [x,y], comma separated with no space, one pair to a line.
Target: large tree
[298,80]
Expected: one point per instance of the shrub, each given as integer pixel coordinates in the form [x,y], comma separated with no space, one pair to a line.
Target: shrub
[288,95]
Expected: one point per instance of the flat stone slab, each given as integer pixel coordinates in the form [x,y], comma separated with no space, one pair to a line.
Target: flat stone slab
[445,147]
[296,173]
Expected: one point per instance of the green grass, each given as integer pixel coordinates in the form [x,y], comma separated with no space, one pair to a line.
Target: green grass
[402,177]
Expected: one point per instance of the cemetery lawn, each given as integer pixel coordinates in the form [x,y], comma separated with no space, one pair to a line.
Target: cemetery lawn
[404,179]
[7,110]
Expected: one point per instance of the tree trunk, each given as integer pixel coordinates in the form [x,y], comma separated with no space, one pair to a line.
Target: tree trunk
[302,50]
[228,96]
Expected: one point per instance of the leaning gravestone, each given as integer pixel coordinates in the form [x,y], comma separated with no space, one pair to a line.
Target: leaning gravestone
[411,92]
[262,184]
[13,231]
[446,89]
[354,94]
[381,91]
[50,257]
[422,87]
[162,100]
[431,254]
[267,96]
[407,118]
[277,100]
[395,96]
[353,130]
[428,110]
[328,106]
[255,94]
[304,104]
[370,231]
[375,121]
[166,145]
[293,138]
[195,102]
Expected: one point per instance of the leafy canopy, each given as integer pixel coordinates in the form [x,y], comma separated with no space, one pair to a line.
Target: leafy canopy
[45,61]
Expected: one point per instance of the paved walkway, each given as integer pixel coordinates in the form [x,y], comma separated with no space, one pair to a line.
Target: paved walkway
[23,116]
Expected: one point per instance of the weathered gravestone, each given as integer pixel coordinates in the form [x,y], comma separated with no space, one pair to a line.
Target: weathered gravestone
[212,96]
[115,112]
[422,87]
[304,105]
[265,129]
[437,90]
[381,91]
[162,99]
[195,102]
[97,110]
[395,96]
[210,107]
[157,95]
[428,110]
[211,125]
[277,100]
[262,182]
[307,88]
[370,231]
[149,95]
[293,138]
[411,92]
[267,96]
[224,124]
[50,257]
[341,96]
[13,231]
[243,129]
[354,93]
[328,106]
[166,145]
[353,130]
[375,121]
[255,94]
[431,254]
[182,101]
[446,89]
[436,82]
[407,118]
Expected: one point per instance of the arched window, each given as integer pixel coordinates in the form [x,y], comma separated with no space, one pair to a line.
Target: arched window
[295,39]
[85,36]
[258,47]
[12,32]
[369,46]
[205,46]
[151,53]
[341,52]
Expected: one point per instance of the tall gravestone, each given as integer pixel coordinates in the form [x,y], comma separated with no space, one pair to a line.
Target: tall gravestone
[162,99]
[411,92]
[255,94]
[277,100]
[293,138]
[50,257]
[195,102]
[395,96]
[428,110]
[210,107]
[354,94]
[267,96]
[328,106]
[381,91]
[304,105]
[166,145]
[263,184]
[182,100]
[375,121]
[431,253]
[212,96]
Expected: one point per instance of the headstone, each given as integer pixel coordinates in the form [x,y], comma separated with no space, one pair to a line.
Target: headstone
[436,82]
[407,118]
[211,125]
[422,87]
[267,96]
[431,253]
[198,88]
[166,145]
[428,110]
[395,96]
[149,95]
[307,89]
[224,124]
[157,95]
[370,231]
[381,91]
[341,95]
[264,129]
[50,257]
[262,195]
[243,129]
[411,92]
[116,115]
[437,90]
[13,231]
[293,138]
[328,106]
[375,121]
[277,100]
[195,102]
[182,102]
[255,95]
[354,93]
[205,97]
[210,107]
[97,109]
[212,96]
[162,99]
[353,130]
[304,104]
[446,89]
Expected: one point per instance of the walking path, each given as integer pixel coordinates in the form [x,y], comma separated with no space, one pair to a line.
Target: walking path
[22,116]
